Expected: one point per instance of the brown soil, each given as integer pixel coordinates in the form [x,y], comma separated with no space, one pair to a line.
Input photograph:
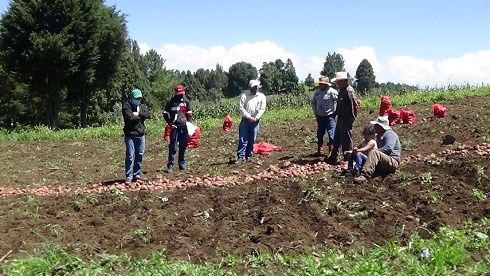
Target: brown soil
[66,192]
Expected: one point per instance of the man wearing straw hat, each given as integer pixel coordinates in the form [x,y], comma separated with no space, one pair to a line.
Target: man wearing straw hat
[346,112]
[323,105]
[386,159]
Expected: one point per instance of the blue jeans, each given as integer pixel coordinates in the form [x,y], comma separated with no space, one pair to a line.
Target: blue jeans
[135,148]
[360,159]
[247,133]
[325,124]
[177,135]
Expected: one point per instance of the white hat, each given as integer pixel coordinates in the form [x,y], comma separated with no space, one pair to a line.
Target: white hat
[382,121]
[253,83]
[340,76]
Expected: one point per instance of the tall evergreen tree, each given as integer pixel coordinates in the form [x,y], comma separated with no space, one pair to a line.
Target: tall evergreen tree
[289,77]
[310,81]
[55,43]
[365,78]
[333,63]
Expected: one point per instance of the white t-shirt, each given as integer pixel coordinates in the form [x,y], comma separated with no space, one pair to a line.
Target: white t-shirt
[365,143]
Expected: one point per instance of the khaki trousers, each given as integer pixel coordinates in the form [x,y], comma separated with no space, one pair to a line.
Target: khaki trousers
[379,162]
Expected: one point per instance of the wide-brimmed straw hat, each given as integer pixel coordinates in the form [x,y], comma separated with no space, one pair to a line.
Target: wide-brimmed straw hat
[324,80]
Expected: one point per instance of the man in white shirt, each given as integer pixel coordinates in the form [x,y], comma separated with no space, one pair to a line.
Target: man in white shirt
[323,106]
[252,106]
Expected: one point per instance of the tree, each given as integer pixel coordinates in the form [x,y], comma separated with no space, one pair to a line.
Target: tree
[161,82]
[239,75]
[310,81]
[289,77]
[99,52]
[333,63]
[54,45]
[365,78]
[218,79]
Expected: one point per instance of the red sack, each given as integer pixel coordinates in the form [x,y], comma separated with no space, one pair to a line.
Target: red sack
[265,148]
[394,116]
[408,116]
[166,135]
[358,104]
[193,141]
[227,123]
[384,107]
[440,111]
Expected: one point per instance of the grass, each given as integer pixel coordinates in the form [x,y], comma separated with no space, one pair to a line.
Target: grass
[448,252]
[280,109]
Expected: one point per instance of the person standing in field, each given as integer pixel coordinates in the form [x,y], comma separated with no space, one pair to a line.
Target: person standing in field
[346,112]
[252,106]
[134,114]
[323,105]
[386,159]
[177,113]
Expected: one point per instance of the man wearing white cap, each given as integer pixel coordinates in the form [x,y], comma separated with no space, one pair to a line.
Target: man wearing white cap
[252,106]
[387,157]
[346,112]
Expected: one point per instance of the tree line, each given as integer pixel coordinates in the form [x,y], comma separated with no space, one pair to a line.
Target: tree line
[71,63]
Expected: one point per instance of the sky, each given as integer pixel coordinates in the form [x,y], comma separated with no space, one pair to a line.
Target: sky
[418,42]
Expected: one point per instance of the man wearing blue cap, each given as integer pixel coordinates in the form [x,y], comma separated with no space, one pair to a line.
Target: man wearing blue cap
[134,113]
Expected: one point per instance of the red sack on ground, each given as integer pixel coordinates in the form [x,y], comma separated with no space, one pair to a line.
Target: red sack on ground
[440,111]
[394,116]
[265,148]
[408,116]
[166,135]
[227,123]
[385,106]
[193,141]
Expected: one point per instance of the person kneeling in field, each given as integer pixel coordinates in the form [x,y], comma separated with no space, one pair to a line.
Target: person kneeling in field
[386,159]
[360,153]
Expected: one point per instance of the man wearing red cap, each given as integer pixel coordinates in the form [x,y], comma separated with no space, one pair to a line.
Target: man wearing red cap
[177,113]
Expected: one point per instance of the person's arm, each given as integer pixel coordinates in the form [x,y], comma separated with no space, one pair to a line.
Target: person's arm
[368,147]
[144,113]
[241,107]
[129,115]
[188,113]
[390,142]
[262,107]
[166,113]
[313,104]
[334,94]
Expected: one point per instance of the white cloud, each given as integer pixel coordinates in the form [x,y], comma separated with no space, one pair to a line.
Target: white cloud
[191,57]
[470,68]
[354,56]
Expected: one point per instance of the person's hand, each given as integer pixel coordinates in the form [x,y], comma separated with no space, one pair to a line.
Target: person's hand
[136,113]
[354,150]
[347,152]
[251,120]
[173,126]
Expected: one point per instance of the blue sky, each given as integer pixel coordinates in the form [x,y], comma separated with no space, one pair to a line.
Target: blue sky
[417,42]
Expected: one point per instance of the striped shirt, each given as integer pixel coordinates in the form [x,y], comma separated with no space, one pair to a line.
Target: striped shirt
[178,111]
